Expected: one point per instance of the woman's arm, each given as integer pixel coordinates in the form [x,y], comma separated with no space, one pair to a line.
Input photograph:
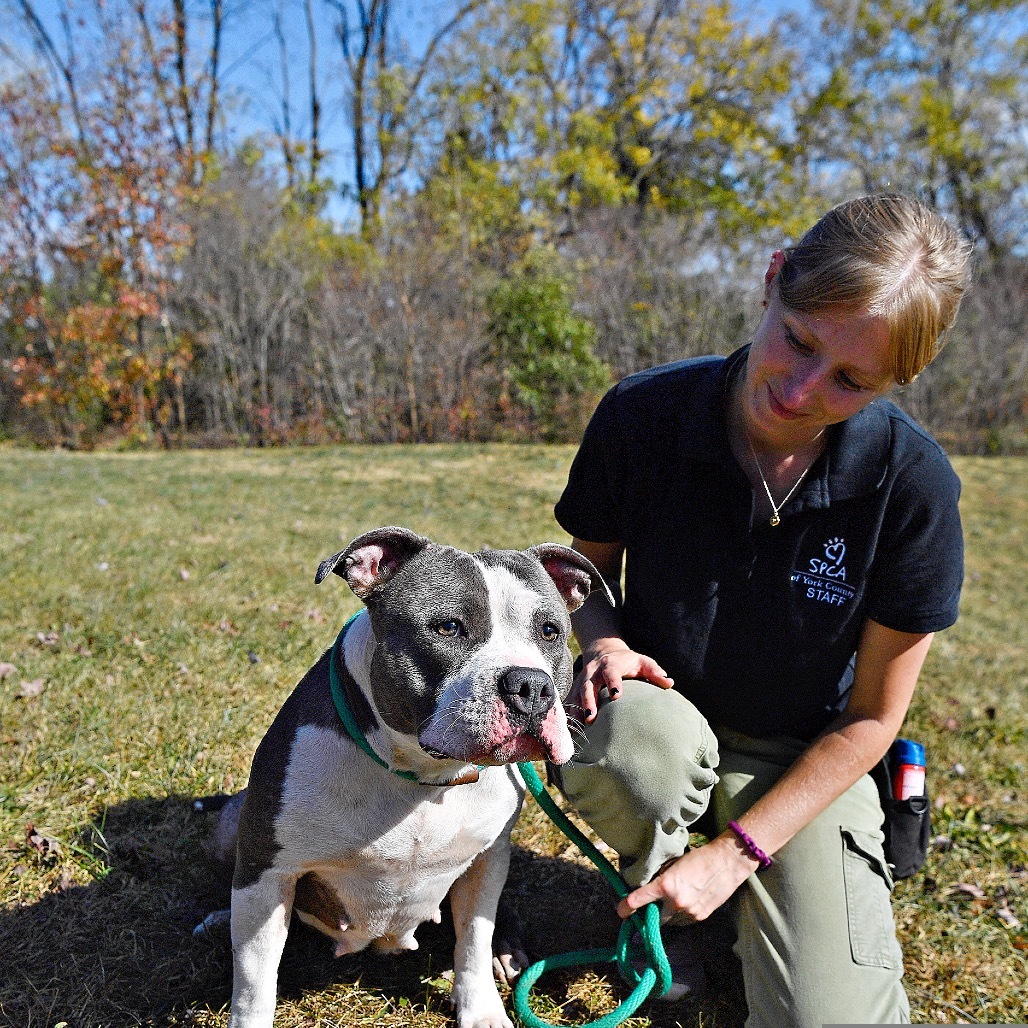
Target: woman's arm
[606,658]
[887,668]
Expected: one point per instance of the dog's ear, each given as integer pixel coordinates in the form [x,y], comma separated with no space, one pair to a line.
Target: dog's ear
[574,575]
[373,558]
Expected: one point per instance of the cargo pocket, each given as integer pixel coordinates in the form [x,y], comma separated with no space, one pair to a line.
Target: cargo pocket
[868,910]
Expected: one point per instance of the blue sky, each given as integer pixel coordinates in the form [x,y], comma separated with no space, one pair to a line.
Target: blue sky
[252,79]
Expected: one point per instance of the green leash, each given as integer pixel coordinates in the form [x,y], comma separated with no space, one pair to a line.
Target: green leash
[646,921]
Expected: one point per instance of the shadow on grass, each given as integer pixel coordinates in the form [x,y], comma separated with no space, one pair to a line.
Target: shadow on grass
[120,951]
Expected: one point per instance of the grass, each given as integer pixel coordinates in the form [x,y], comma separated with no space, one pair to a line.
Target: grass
[157,609]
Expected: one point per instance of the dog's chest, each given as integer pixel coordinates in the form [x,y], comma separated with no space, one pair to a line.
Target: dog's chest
[340,808]
[386,850]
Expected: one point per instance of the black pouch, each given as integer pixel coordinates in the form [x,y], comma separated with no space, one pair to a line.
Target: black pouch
[908,824]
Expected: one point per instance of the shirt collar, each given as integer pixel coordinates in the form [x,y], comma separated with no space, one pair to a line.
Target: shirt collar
[703,434]
[855,461]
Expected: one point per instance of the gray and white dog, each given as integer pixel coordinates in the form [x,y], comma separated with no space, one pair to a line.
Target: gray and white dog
[455,669]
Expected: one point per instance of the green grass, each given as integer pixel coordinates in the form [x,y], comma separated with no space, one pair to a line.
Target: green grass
[165,605]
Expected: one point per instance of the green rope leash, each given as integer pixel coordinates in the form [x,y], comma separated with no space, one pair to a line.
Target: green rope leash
[646,921]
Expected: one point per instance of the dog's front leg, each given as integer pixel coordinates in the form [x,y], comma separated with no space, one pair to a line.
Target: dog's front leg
[260,923]
[473,900]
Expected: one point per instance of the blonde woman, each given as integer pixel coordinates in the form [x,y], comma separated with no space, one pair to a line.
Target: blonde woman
[790,542]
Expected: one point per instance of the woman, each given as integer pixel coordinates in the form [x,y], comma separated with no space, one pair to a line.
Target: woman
[790,542]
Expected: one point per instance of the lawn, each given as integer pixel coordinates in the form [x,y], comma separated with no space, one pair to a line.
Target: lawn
[155,610]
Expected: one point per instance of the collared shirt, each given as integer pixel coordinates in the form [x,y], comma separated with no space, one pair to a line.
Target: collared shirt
[758,625]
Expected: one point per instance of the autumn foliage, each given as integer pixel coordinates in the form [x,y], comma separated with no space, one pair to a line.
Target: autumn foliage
[544,195]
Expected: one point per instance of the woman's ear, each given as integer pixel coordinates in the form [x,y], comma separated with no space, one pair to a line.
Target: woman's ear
[776,265]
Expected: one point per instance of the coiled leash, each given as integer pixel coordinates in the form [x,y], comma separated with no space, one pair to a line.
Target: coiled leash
[646,921]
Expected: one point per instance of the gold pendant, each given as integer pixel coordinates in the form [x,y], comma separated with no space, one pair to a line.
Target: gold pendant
[775,520]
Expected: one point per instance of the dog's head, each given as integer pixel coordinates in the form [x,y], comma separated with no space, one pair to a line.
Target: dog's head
[471,650]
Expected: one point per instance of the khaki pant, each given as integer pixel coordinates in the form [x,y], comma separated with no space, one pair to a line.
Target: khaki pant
[815,932]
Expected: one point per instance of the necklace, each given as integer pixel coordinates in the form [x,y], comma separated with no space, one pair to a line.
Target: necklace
[775,508]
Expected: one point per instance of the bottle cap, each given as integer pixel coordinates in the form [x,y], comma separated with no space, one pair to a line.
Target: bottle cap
[904,751]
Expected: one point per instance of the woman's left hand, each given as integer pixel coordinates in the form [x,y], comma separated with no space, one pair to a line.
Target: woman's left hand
[697,883]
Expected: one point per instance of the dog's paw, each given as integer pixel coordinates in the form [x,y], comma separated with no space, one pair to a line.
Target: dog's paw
[478,1007]
[509,956]
[507,966]
[494,1019]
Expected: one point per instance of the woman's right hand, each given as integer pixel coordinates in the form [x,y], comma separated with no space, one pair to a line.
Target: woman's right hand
[607,669]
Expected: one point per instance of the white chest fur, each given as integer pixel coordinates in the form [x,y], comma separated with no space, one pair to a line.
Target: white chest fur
[388,848]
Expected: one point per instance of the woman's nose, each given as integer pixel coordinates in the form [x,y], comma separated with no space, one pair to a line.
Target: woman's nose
[801,387]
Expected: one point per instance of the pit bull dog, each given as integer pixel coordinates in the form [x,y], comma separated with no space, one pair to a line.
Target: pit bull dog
[386,780]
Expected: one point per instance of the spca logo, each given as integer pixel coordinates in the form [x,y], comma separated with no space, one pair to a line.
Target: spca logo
[831,566]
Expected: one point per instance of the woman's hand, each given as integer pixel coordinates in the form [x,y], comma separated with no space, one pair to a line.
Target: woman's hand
[607,669]
[697,883]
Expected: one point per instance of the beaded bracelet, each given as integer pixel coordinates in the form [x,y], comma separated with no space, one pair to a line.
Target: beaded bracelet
[750,846]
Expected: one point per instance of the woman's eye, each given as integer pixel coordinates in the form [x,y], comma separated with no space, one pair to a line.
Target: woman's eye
[449,629]
[549,631]
[795,342]
[849,384]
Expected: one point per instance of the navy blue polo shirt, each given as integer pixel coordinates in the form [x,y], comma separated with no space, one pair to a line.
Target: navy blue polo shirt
[757,625]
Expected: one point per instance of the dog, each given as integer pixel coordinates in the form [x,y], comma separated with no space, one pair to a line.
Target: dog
[455,669]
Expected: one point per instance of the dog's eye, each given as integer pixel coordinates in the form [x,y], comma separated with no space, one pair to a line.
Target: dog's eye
[549,631]
[449,629]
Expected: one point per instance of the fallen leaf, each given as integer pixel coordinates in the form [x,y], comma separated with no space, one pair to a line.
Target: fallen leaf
[1008,917]
[6,669]
[228,628]
[42,844]
[254,659]
[183,573]
[48,638]
[316,616]
[968,889]
[83,651]
[29,690]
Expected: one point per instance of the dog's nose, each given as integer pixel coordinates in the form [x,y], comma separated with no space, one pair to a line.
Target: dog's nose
[527,691]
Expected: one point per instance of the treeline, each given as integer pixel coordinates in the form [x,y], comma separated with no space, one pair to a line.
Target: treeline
[547,195]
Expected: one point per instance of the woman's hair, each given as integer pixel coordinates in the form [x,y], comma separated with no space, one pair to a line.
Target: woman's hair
[891,256]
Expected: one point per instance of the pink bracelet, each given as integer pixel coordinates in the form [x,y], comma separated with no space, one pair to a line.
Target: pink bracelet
[750,846]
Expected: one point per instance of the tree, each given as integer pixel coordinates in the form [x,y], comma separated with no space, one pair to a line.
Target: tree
[926,96]
[91,283]
[543,348]
[385,82]
[663,104]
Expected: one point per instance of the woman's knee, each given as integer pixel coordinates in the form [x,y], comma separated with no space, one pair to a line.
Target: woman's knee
[643,772]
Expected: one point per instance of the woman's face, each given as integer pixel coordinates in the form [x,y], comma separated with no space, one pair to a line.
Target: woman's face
[806,372]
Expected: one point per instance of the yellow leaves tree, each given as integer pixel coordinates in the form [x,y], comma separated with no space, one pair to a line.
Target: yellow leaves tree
[662,104]
[925,96]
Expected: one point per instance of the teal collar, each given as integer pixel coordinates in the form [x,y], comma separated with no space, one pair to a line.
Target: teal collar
[353,730]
